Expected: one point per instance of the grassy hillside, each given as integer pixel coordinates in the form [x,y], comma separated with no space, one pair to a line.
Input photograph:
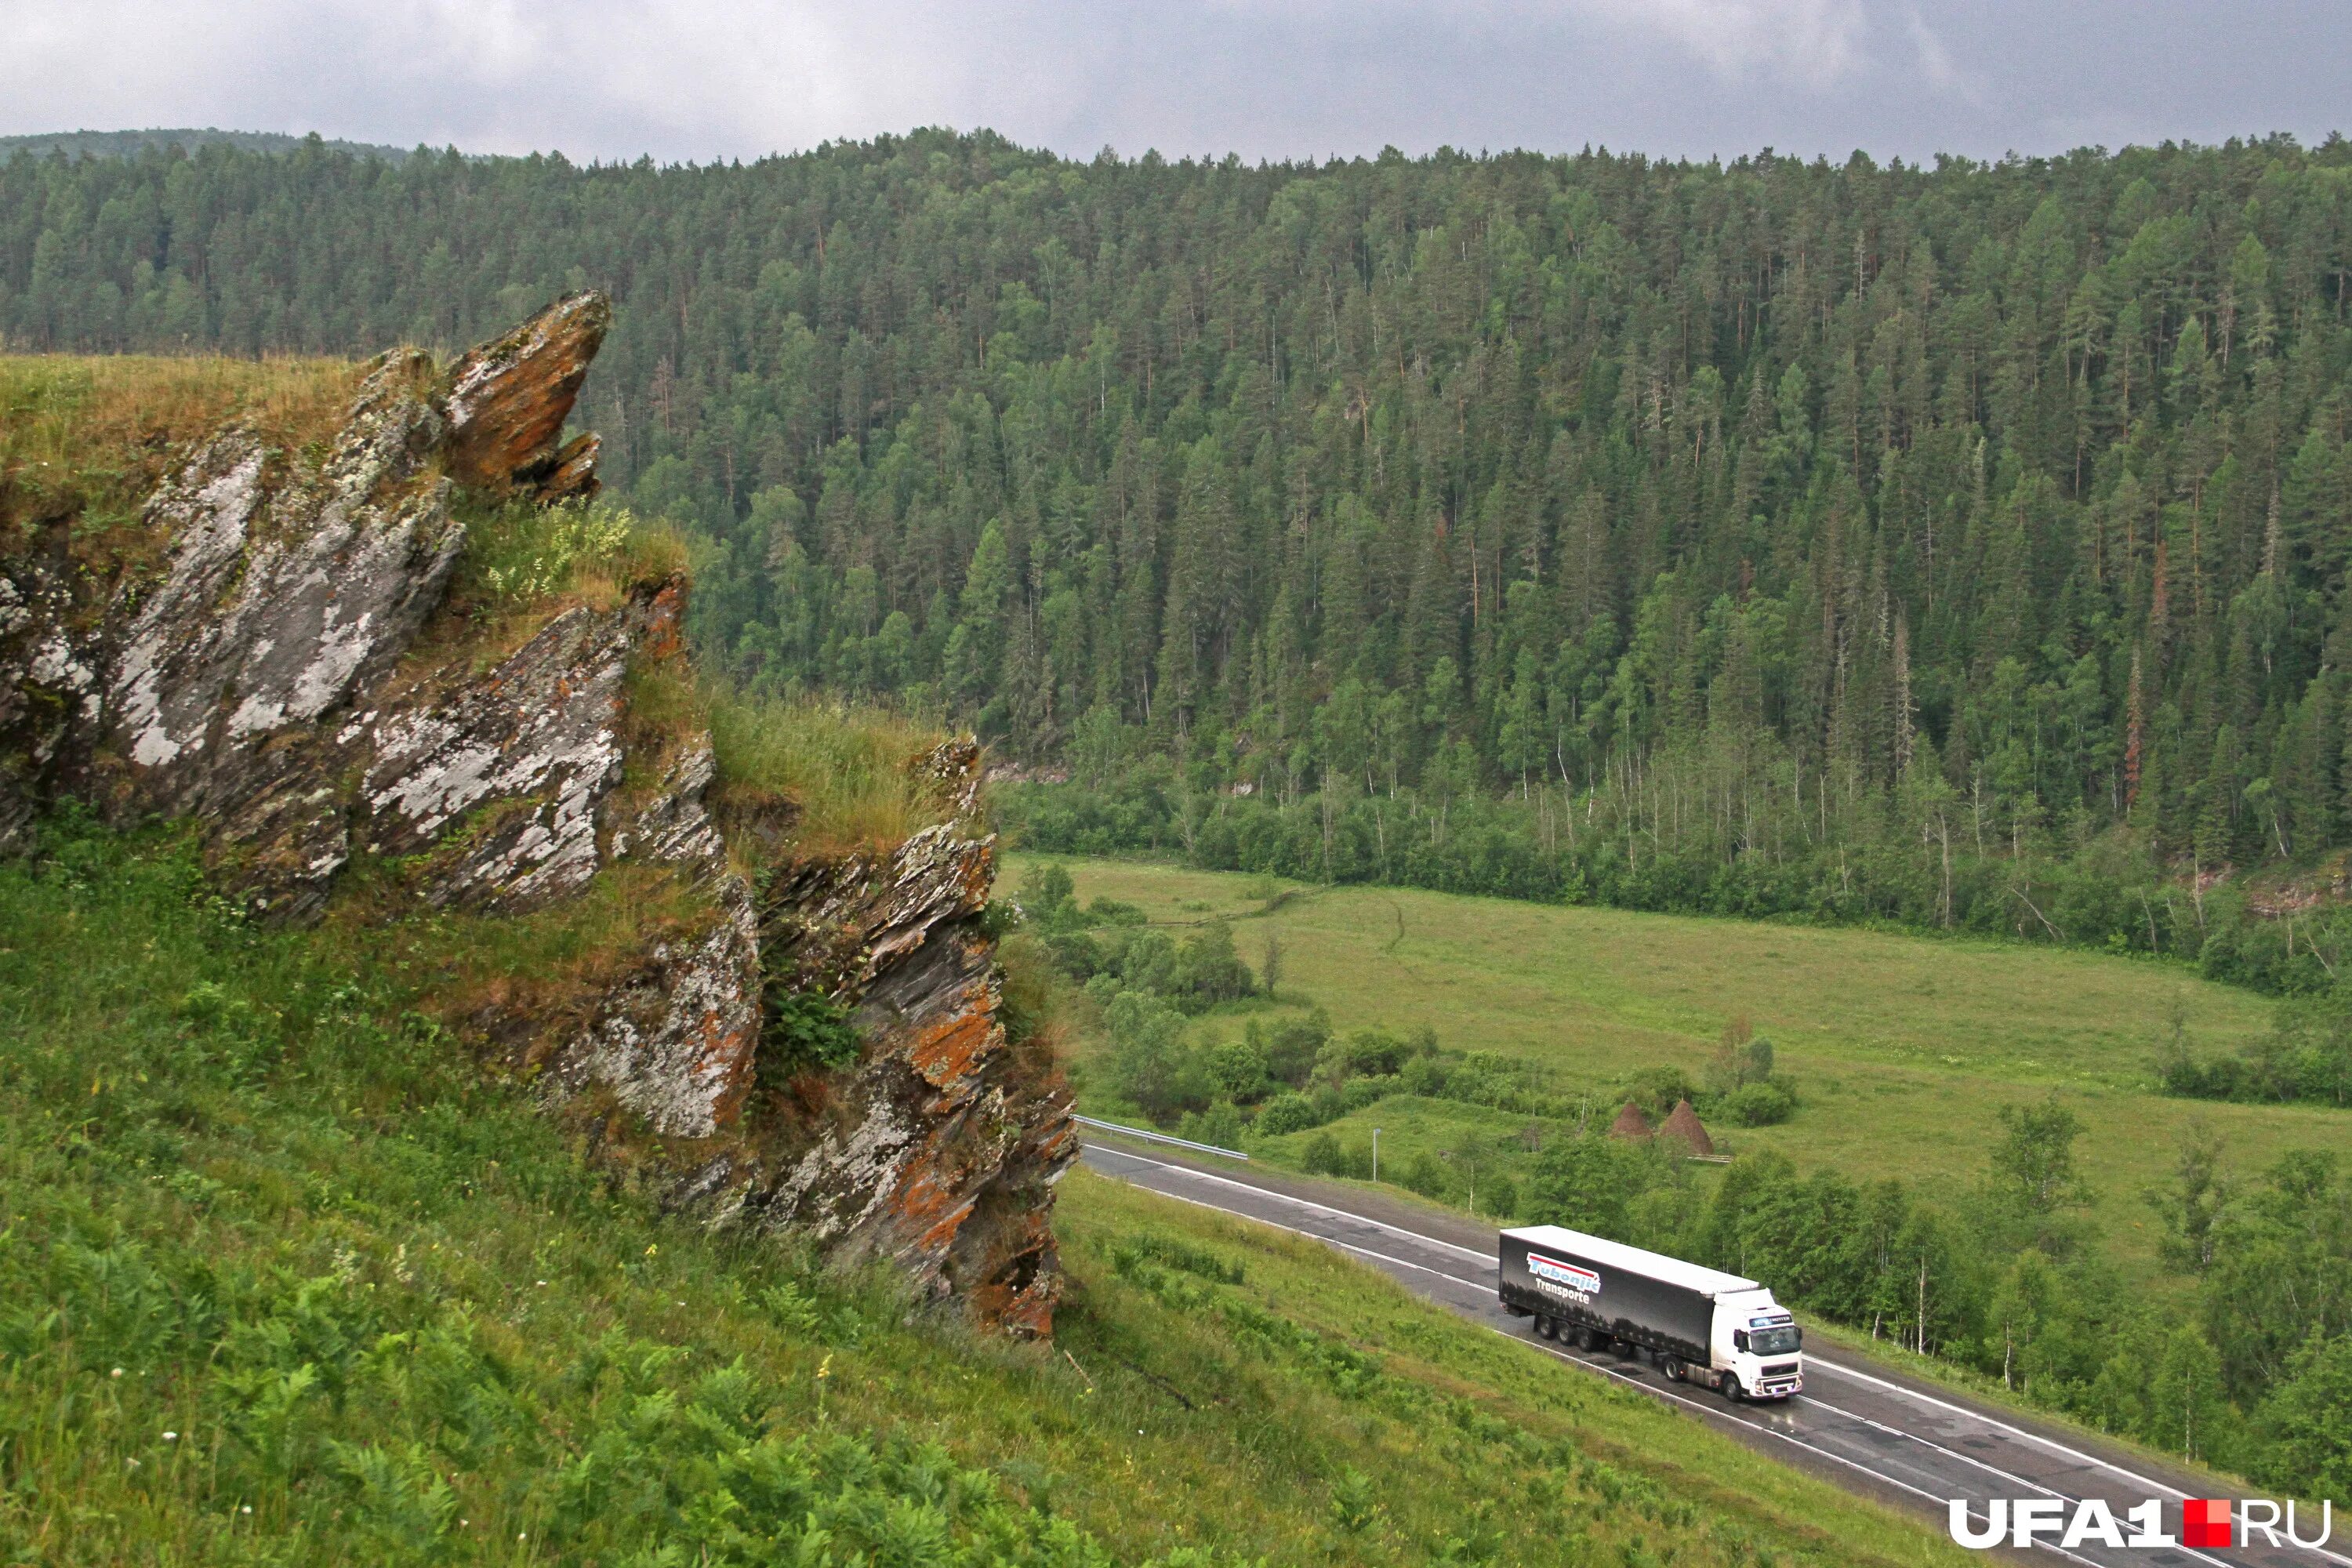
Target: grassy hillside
[1904,1049]
[283,1281]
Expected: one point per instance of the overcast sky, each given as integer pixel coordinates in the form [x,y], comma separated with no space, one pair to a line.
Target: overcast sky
[703,78]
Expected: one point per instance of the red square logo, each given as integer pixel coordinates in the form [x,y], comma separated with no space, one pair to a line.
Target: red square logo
[2205,1521]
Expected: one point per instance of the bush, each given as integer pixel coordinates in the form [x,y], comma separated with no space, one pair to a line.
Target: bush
[1758,1104]
[1238,1067]
[1292,1044]
[805,1029]
[1221,1125]
[1322,1157]
[1286,1114]
[1208,971]
[1048,897]
[1424,1175]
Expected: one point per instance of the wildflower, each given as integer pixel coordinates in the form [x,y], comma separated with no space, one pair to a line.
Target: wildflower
[116,1373]
[246,1508]
[171,1437]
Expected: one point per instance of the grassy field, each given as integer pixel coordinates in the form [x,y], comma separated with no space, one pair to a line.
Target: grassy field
[284,1281]
[1905,1048]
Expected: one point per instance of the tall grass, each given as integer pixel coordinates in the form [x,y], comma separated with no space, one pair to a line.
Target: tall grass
[845,771]
[284,1281]
[89,437]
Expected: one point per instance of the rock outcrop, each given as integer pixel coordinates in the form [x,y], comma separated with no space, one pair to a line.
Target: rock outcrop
[292,675]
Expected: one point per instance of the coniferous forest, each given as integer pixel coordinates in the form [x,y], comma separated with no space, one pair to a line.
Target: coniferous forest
[1965,546]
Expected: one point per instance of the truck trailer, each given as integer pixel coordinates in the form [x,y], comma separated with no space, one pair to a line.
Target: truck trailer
[1700,1324]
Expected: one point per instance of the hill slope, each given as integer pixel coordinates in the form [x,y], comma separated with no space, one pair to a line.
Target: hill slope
[363,630]
[282,1280]
[1956,1146]
[1854,540]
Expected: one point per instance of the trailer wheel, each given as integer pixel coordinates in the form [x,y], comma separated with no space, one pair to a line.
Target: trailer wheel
[1545,1329]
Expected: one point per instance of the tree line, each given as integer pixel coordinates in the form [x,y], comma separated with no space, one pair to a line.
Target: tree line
[1934,543]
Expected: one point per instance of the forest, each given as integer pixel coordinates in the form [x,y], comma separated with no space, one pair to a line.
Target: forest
[1962,545]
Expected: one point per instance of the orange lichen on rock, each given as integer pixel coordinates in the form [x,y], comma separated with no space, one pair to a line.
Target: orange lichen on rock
[507,402]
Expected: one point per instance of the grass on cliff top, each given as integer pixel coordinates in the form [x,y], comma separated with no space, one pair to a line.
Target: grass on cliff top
[841,772]
[283,1279]
[528,561]
[846,770]
[89,437]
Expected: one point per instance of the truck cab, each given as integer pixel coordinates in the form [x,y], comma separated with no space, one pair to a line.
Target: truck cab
[1757,1344]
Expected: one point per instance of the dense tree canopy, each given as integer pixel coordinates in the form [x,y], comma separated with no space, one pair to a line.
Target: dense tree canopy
[1787,534]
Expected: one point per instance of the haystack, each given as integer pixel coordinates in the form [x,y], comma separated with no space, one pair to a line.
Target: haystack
[1631,1123]
[1683,1123]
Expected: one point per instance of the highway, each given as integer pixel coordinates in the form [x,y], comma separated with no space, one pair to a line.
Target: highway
[1872,1430]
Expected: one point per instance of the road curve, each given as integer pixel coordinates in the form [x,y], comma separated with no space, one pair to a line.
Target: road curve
[1872,1431]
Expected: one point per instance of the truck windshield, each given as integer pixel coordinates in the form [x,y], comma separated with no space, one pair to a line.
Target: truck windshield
[1775,1342]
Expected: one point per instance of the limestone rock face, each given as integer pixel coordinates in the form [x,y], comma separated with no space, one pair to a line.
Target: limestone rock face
[289,675]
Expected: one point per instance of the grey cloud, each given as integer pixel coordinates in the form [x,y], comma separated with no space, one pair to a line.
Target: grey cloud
[703,78]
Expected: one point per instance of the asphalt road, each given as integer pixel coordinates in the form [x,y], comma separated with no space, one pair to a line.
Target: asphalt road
[1870,1429]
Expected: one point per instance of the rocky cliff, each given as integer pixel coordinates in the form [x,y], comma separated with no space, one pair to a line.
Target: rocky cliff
[283,649]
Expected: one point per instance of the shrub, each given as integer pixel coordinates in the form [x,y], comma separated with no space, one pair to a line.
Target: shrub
[1048,897]
[1238,1067]
[1292,1044]
[1208,969]
[1424,1175]
[1286,1114]
[1221,1125]
[1758,1104]
[1655,1090]
[807,1028]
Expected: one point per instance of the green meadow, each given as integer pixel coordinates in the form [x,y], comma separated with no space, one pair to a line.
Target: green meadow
[1904,1049]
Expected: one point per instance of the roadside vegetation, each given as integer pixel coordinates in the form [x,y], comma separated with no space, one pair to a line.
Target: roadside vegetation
[2029,1207]
[284,1279]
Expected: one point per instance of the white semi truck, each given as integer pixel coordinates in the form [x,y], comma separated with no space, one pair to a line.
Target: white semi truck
[1701,1325]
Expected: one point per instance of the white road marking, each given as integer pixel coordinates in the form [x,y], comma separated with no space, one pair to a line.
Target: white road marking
[1898,1390]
